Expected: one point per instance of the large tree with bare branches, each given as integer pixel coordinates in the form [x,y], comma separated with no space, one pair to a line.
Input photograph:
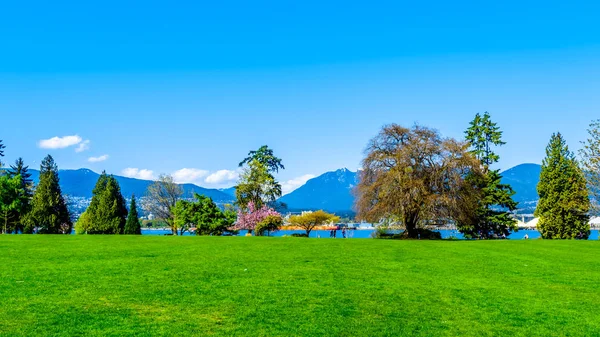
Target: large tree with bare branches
[161,198]
[415,177]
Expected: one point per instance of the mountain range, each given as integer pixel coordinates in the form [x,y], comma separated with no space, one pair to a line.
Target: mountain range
[81,182]
[331,191]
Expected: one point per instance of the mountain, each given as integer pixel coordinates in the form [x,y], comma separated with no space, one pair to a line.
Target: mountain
[81,182]
[332,191]
[524,179]
[229,191]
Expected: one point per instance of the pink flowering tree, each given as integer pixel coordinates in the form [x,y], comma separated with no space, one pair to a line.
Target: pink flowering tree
[254,216]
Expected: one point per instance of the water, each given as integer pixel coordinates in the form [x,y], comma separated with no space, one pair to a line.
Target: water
[368,233]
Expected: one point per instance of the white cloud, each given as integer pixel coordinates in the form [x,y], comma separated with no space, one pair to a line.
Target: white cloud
[222,177]
[189,175]
[59,142]
[98,159]
[85,145]
[133,172]
[292,184]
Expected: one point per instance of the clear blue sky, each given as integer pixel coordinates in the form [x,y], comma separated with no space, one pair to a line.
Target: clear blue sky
[162,86]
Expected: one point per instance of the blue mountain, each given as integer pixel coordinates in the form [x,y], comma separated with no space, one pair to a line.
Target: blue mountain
[229,191]
[332,191]
[81,182]
[523,179]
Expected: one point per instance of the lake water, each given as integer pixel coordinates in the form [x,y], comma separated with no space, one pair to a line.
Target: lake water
[367,233]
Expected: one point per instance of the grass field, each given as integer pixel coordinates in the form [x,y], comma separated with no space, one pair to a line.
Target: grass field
[123,285]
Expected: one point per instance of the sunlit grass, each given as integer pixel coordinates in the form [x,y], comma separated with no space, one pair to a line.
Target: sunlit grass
[145,285]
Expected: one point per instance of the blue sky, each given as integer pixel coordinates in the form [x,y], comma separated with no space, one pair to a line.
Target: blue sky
[188,88]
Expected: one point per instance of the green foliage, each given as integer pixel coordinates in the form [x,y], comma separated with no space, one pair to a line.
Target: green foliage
[564,202]
[107,212]
[309,220]
[256,185]
[265,156]
[132,226]
[13,201]
[493,215]
[482,134]
[20,169]
[270,224]
[2,147]
[203,214]
[590,155]
[83,224]
[49,213]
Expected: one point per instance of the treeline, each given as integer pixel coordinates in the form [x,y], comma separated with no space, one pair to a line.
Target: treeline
[415,179]
[411,179]
[25,209]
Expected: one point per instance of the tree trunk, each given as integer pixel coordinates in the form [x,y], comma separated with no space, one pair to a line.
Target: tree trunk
[411,229]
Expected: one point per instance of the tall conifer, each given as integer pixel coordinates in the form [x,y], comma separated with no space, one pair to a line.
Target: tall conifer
[132,226]
[49,213]
[494,212]
[107,212]
[564,202]
[2,147]
[20,169]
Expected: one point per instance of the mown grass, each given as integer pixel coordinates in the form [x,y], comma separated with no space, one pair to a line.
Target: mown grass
[152,286]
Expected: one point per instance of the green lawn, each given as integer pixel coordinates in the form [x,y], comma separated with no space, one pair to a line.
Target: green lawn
[124,285]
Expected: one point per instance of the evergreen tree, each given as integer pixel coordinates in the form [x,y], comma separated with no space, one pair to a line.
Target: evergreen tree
[132,226]
[107,211]
[49,211]
[20,169]
[564,202]
[12,202]
[2,147]
[493,217]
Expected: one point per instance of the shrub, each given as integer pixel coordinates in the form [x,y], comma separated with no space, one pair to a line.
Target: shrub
[271,223]
[300,235]
[423,233]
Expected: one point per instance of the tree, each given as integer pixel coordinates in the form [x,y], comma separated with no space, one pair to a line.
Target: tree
[265,156]
[20,169]
[564,202]
[414,177]
[309,220]
[12,202]
[107,211]
[49,211]
[250,218]
[256,185]
[132,226]
[2,147]
[590,155]
[271,223]
[496,204]
[160,199]
[203,214]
